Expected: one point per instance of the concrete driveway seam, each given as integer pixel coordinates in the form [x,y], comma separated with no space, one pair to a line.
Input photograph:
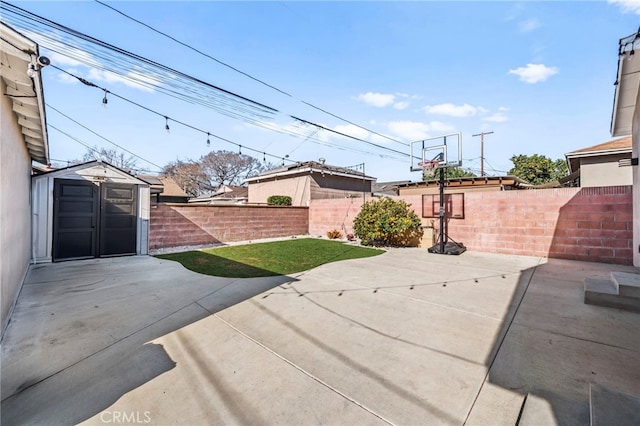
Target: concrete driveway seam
[502,339]
[305,372]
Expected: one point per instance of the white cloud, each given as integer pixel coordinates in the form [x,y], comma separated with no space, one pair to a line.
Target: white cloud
[497,117]
[503,109]
[452,110]
[534,73]
[627,6]
[401,105]
[135,79]
[379,100]
[416,130]
[66,78]
[439,126]
[352,130]
[528,25]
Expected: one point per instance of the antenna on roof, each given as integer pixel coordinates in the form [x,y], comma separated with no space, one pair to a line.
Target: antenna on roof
[322,160]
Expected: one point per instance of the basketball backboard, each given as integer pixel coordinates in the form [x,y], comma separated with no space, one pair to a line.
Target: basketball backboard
[446,149]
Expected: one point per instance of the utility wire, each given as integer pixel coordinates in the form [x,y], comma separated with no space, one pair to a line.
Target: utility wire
[192,48]
[36,18]
[166,117]
[100,136]
[243,73]
[22,12]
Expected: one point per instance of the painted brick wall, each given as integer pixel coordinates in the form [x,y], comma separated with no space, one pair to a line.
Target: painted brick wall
[174,225]
[590,224]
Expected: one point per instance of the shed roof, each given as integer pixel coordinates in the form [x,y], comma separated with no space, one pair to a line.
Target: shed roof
[17,55]
[77,168]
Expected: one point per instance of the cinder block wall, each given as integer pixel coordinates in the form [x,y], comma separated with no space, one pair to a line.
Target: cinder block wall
[174,225]
[590,224]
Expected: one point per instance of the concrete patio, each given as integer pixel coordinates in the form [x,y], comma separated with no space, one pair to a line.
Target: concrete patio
[402,338]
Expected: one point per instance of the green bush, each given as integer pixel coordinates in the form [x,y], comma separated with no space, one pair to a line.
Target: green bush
[279,200]
[387,222]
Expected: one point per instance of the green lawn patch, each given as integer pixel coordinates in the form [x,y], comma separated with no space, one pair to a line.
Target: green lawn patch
[268,259]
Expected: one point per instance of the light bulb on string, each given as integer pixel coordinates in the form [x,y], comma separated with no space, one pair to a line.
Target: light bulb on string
[264,157]
[166,123]
[208,140]
[105,101]
[239,149]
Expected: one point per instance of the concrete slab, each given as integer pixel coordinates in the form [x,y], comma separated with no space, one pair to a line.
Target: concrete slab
[403,338]
[551,409]
[611,407]
[628,284]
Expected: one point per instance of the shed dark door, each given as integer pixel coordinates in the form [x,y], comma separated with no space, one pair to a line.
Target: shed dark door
[75,215]
[118,222]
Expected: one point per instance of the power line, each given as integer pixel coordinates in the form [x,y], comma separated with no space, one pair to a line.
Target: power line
[208,133]
[98,135]
[36,18]
[192,48]
[244,73]
[191,80]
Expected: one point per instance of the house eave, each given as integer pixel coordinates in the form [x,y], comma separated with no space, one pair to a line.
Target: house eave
[26,93]
[626,86]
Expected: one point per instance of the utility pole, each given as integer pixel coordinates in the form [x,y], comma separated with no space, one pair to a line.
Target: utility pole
[482,150]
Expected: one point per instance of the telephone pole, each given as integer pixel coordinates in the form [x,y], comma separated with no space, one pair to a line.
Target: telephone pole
[482,150]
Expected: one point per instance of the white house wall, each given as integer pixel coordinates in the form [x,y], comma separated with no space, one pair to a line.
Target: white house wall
[15,226]
[601,171]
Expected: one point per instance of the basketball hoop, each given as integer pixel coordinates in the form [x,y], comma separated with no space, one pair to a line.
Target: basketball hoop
[429,168]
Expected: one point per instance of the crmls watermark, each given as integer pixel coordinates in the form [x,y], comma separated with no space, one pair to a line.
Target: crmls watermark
[128,417]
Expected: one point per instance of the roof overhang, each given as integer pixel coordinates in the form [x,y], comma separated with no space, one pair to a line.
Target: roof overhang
[17,55]
[626,85]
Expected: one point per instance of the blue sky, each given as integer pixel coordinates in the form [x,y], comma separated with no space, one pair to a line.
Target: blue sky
[538,74]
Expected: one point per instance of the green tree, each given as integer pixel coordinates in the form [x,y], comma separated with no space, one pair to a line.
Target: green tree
[538,169]
[449,173]
[387,222]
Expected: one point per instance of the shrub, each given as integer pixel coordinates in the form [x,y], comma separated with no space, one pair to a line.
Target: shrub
[387,222]
[279,200]
[334,234]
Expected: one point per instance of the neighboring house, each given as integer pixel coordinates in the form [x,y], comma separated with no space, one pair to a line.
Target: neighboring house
[382,189]
[23,138]
[226,194]
[464,184]
[599,164]
[89,210]
[625,120]
[308,181]
[164,189]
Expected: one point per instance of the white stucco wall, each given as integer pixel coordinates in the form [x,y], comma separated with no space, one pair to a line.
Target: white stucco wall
[599,171]
[15,227]
[297,188]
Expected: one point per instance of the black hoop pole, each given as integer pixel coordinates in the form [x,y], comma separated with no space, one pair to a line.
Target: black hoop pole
[442,234]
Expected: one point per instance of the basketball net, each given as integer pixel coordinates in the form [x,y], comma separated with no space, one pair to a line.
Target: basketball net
[429,168]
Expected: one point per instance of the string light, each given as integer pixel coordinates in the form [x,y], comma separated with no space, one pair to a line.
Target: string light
[105,101]
[208,140]
[166,123]
[264,157]
[240,149]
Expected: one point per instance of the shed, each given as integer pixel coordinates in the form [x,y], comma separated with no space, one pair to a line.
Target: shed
[89,210]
